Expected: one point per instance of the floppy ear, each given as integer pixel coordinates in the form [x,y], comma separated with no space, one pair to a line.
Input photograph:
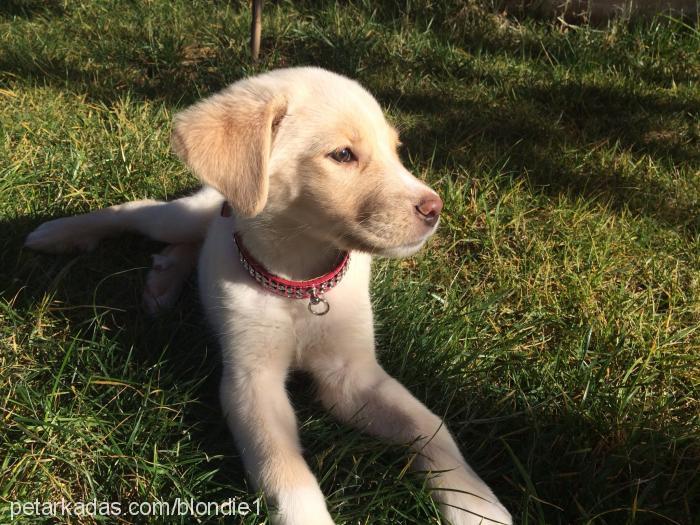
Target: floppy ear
[225,140]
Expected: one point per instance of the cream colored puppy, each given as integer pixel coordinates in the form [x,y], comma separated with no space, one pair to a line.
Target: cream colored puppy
[308,163]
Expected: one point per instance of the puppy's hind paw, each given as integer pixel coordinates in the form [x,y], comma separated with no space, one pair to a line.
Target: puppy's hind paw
[166,279]
[161,262]
[61,236]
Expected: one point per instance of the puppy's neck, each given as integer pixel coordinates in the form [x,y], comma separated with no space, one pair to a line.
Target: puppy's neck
[286,250]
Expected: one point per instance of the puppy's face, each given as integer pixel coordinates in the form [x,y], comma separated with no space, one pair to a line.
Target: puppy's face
[311,148]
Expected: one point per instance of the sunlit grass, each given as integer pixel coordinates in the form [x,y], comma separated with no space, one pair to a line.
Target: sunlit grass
[554,320]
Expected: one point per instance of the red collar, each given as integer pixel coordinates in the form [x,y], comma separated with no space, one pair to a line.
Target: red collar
[313,289]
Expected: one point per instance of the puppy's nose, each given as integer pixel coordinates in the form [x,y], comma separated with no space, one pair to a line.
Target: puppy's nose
[429,208]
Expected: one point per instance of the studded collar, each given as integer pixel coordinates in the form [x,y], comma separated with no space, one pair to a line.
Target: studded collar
[312,289]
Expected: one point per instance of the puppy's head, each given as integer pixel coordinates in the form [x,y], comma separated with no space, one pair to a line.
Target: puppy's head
[311,148]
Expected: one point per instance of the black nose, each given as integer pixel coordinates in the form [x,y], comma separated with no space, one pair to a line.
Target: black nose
[429,209]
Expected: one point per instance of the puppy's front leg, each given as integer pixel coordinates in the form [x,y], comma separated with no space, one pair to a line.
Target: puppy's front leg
[264,426]
[359,391]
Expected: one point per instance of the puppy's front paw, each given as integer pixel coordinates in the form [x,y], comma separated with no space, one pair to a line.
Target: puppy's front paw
[470,510]
[62,235]
[466,500]
[302,506]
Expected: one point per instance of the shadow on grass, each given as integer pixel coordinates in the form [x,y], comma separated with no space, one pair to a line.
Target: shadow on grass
[172,352]
[543,134]
[567,461]
[30,9]
[544,461]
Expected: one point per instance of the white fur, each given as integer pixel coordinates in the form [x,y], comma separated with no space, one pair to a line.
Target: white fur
[296,231]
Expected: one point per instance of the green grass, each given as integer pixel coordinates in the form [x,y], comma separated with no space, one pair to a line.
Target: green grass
[554,320]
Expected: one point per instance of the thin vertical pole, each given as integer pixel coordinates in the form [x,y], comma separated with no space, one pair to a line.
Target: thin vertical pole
[256,30]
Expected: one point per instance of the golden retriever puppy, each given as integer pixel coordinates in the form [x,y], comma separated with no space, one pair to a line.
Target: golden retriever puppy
[302,185]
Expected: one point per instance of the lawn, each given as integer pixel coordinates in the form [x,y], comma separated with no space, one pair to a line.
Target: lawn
[554,320]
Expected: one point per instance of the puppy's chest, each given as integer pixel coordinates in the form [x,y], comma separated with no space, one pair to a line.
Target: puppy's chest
[311,333]
[323,336]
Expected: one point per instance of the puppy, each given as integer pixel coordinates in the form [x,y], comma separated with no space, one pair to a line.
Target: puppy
[308,164]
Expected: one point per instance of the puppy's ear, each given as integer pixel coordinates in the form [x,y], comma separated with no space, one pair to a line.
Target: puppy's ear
[226,139]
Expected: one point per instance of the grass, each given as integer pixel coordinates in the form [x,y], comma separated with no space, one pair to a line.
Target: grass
[554,320]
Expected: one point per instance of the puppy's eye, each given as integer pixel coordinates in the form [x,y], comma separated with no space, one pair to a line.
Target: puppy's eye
[342,155]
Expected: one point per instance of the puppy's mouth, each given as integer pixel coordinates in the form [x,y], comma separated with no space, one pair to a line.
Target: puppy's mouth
[365,241]
[399,252]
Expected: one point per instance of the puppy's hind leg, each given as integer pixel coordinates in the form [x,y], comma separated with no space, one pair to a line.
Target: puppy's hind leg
[180,221]
[170,270]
